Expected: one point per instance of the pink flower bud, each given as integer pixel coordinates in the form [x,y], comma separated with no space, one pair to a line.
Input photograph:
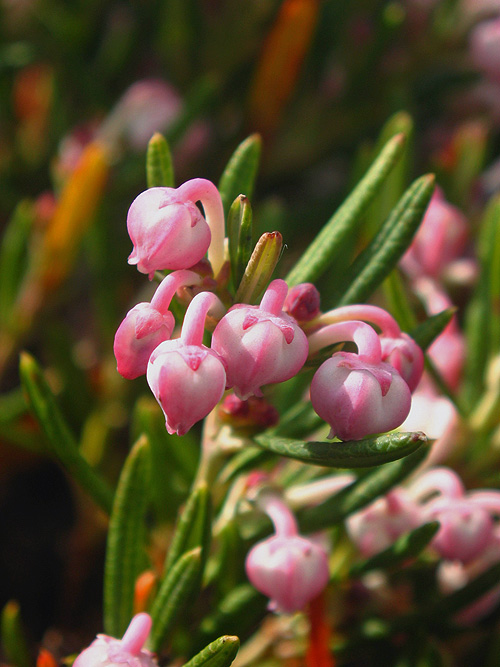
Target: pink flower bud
[379,525]
[260,344]
[405,356]
[186,377]
[302,302]
[466,529]
[358,398]
[440,239]
[255,412]
[147,325]
[107,651]
[291,570]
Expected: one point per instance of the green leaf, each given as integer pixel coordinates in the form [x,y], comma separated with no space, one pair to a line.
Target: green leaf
[398,300]
[426,333]
[193,527]
[250,457]
[322,252]
[61,441]
[241,170]
[260,268]
[12,634]
[375,263]
[220,653]
[159,164]
[12,255]
[125,552]
[349,454]
[405,547]
[239,224]
[360,493]
[174,592]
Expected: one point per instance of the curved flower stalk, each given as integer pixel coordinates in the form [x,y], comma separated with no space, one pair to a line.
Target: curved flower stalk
[260,344]
[187,378]
[398,349]
[147,325]
[357,394]
[106,651]
[288,568]
[169,232]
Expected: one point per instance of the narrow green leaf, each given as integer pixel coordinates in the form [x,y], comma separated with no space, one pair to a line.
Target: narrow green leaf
[426,332]
[220,653]
[375,263]
[125,552]
[349,454]
[239,224]
[398,300]
[250,457]
[361,493]
[193,527]
[59,437]
[405,547]
[174,592]
[239,175]
[322,252]
[12,254]
[260,267]
[159,164]
[14,642]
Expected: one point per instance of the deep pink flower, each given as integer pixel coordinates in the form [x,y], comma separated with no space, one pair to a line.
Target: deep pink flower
[302,302]
[187,378]
[260,344]
[107,651]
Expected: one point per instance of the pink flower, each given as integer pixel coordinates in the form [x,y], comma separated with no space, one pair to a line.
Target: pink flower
[169,232]
[147,325]
[260,344]
[405,356]
[302,302]
[186,377]
[288,568]
[107,651]
[485,47]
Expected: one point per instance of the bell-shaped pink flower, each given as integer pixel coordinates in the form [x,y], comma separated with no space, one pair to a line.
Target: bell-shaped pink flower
[260,344]
[168,230]
[379,525]
[357,394]
[405,356]
[290,569]
[187,378]
[107,651]
[147,325]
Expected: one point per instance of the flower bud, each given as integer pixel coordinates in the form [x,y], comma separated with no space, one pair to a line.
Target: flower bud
[302,302]
[255,412]
[358,398]
[260,344]
[107,651]
[168,231]
[291,570]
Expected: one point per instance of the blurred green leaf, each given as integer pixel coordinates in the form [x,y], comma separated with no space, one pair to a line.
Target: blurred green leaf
[12,636]
[349,454]
[59,437]
[174,592]
[159,165]
[405,547]
[322,252]
[125,552]
[238,178]
[220,653]
[383,253]
[239,226]
[360,493]
[425,333]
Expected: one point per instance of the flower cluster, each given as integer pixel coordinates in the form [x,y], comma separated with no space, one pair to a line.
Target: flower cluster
[357,393]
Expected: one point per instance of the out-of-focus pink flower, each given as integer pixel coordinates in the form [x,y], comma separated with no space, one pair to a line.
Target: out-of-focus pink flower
[168,230]
[290,569]
[302,302]
[107,651]
[186,377]
[260,344]
[379,525]
[147,325]
[440,239]
[485,47]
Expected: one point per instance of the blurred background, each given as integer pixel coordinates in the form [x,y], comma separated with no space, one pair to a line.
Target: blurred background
[83,86]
